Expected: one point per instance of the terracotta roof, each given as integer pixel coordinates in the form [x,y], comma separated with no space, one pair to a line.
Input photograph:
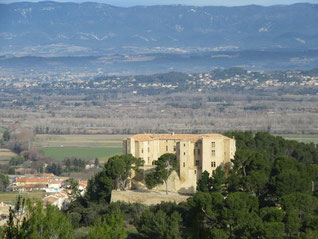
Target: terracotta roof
[63,194]
[40,185]
[83,183]
[51,199]
[32,180]
[192,137]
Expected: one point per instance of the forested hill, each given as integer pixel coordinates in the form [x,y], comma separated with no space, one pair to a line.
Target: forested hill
[270,192]
[99,28]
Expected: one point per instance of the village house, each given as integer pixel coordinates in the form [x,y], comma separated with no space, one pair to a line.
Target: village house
[61,199]
[82,186]
[43,183]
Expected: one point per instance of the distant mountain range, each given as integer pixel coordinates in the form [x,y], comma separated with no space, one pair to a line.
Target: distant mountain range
[71,29]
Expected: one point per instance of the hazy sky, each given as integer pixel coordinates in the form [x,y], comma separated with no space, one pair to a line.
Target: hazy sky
[184,2]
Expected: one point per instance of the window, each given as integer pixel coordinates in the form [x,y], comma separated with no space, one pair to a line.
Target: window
[195,171]
[166,148]
[183,153]
[183,164]
[148,159]
[148,150]
[183,145]
[213,144]
[199,152]
[196,144]
[213,164]
[142,151]
[167,141]
[174,148]
[197,162]
[194,151]
[213,152]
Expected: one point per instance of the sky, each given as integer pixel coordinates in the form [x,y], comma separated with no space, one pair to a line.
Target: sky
[128,3]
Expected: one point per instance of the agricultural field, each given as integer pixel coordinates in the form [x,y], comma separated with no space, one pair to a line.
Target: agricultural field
[6,155]
[60,153]
[59,147]
[10,197]
[305,138]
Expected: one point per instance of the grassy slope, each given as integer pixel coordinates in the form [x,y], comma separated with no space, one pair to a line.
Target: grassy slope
[10,197]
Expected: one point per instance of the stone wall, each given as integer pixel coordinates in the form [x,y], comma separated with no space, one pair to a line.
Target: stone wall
[146,197]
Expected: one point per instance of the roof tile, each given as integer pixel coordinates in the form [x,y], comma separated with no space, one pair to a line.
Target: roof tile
[192,137]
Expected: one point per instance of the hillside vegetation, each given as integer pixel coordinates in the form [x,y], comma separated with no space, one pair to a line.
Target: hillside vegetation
[270,192]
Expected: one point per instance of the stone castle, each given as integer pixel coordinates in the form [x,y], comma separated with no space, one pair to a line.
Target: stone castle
[196,153]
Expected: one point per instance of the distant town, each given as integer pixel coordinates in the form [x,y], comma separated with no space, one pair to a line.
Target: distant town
[215,101]
[236,78]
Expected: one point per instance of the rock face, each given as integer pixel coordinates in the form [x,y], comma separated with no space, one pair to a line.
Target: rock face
[97,28]
[173,184]
[139,186]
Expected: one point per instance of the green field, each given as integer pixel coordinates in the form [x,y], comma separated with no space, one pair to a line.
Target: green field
[305,138]
[59,147]
[59,153]
[10,197]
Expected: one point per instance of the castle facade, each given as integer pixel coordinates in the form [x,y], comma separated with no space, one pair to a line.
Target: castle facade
[196,153]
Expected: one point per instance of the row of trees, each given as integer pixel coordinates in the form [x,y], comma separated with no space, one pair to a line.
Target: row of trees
[69,165]
[17,138]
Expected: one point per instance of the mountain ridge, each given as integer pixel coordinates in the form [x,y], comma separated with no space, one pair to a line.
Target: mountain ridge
[29,28]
